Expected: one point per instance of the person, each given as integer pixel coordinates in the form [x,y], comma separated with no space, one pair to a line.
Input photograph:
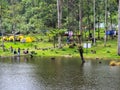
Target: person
[11,49]
[80,49]
[15,51]
[26,51]
[90,36]
[18,51]
[68,40]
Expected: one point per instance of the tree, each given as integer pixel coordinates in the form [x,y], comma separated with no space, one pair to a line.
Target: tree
[80,22]
[94,19]
[106,23]
[59,11]
[40,15]
[119,29]
[1,22]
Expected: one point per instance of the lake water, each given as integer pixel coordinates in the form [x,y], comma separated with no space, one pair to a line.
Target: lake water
[42,73]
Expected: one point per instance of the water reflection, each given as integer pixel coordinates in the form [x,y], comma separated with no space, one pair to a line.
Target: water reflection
[38,73]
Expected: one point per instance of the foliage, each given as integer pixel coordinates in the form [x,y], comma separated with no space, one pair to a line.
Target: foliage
[55,32]
[40,17]
[19,38]
[36,15]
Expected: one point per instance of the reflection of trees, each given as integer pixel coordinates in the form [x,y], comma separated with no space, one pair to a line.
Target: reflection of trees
[49,71]
[61,73]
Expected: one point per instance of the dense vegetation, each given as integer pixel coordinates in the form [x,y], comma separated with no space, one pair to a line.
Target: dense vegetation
[40,18]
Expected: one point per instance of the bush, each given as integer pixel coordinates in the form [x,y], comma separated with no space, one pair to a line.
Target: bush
[20,37]
[72,45]
[11,38]
[5,38]
[28,39]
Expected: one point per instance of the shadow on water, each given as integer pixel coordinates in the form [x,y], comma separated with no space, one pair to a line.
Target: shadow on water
[44,73]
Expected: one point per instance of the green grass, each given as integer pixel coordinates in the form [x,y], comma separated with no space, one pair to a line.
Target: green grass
[108,52]
[102,52]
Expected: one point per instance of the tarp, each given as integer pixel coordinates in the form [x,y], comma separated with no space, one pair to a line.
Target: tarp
[110,32]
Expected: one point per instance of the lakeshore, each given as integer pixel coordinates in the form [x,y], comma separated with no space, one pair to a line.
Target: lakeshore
[43,49]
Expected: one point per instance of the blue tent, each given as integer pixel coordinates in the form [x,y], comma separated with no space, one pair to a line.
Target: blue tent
[110,32]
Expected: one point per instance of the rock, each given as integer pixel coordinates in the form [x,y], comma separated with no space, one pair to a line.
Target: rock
[52,58]
[100,62]
[113,63]
[118,63]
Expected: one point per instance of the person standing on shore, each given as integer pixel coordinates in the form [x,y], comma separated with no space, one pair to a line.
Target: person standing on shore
[15,52]
[80,49]
[18,51]
[11,49]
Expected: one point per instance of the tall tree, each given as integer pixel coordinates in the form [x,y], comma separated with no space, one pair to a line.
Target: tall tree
[106,23]
[80,21]
[119,29]
[13,17]
[59,11]
[94,19]
[1,27]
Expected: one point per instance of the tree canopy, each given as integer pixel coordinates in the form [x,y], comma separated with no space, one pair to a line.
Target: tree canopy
[39,15]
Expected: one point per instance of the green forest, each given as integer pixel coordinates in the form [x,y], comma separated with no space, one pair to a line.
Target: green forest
[40,16]
[48,23]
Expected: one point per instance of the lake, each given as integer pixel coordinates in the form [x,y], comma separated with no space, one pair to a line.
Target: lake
[44,73]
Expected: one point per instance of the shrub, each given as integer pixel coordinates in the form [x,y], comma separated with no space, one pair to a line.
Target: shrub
[11,38]
[28,39]
[5,38]
[20,37]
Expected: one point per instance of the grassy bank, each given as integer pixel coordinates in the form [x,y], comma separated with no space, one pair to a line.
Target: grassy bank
[99,51]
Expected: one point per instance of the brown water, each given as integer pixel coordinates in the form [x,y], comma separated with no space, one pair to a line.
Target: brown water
[60,74]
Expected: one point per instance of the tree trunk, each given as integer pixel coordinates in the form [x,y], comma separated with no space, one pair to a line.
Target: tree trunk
[106,25]
[13,22]
[1,28]
[54,37]
[119,29]
[88,16]
[98,19]
[98,27]
[59,11]
[94,20]
[80,22]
